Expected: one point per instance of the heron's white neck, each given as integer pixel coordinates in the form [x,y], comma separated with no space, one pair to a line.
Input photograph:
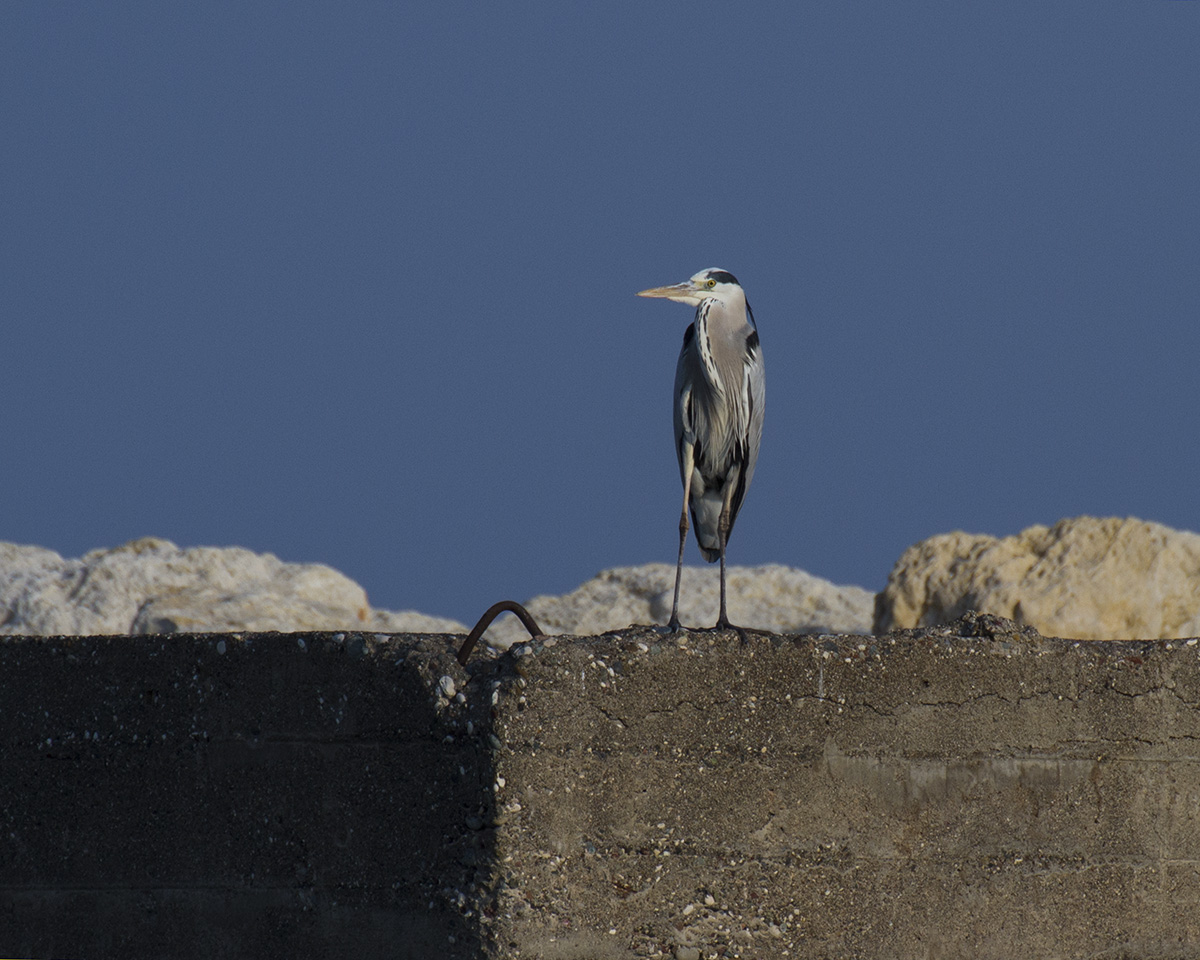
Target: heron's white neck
[704,345]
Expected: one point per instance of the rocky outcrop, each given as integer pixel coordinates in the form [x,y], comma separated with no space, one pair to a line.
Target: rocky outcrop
[1086,578]
[152,586]
[771,597]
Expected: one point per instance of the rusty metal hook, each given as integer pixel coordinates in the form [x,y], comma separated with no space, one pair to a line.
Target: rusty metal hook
[511,606]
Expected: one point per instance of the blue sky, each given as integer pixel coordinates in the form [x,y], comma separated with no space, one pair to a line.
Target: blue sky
[354,283]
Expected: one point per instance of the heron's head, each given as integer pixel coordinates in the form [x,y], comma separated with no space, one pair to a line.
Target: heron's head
[711,284]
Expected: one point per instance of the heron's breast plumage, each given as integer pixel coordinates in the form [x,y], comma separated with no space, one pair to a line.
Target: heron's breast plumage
[715,402]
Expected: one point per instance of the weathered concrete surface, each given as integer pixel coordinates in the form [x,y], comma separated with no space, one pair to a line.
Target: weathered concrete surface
[911,796]
[972,791]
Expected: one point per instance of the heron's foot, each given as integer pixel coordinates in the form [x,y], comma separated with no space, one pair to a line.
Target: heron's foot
[724,624]
[674,626]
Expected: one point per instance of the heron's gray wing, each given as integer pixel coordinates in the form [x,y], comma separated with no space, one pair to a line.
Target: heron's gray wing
[749,403]
[685,426]
[755,390]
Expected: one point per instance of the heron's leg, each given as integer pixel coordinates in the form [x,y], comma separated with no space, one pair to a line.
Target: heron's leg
[673,623]
[723,535]
[687,464]
[723,526]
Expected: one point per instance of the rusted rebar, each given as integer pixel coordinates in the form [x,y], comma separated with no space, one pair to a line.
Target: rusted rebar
[511,606]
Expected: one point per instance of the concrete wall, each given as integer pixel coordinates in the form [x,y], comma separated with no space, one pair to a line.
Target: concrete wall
[970,792]
[271,796]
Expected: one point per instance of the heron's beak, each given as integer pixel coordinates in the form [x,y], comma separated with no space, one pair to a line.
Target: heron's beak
[678,291]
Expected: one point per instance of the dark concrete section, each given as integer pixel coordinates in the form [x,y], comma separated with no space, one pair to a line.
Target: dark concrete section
[973,791]
[307,795]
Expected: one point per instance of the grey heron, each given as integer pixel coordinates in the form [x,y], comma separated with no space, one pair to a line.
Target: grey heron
[719,397]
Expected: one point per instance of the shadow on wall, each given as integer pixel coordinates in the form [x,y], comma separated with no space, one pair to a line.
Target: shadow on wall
[321,795]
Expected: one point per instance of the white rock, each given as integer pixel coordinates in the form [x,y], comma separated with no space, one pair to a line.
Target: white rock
[410,621]
[1087,578]
[152,586]
[771,597]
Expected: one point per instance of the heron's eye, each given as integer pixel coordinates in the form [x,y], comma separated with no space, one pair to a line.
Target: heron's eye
[710,283]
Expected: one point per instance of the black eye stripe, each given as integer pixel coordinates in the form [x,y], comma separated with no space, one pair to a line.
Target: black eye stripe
[722,276]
